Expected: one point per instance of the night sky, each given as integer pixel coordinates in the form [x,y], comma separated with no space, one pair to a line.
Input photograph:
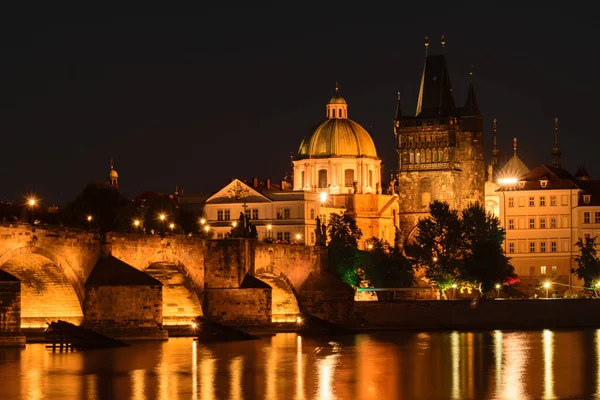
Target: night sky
[195,96]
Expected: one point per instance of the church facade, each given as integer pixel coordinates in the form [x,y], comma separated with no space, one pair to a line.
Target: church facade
[440,147]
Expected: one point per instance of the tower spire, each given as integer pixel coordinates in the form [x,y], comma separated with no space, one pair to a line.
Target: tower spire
[443,41]
[515,145]
[426,46]
[555,149]
[337,88]
[398,108]
[495,149]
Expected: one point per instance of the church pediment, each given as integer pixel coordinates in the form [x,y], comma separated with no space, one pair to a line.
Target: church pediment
[237,192]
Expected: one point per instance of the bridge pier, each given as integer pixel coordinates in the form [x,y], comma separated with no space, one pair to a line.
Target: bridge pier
[10,311]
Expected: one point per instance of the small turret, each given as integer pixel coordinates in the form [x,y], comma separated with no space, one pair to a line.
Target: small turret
[495,149]
[113,176]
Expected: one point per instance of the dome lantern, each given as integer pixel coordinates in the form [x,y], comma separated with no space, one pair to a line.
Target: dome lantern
[337,106]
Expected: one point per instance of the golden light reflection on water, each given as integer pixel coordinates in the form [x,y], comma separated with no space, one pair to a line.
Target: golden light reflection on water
[548,353]
[499,364]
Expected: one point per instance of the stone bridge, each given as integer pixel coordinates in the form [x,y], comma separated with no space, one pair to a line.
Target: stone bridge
[199,277]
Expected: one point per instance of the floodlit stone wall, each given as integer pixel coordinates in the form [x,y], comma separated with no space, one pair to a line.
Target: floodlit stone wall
[239,307]
[138,306]
[10,307]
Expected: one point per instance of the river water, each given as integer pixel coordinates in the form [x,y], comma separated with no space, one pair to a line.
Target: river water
[383,365]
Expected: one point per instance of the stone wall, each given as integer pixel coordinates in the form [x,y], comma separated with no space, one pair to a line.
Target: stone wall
[295,262]
[326,297]
[488,314]
[239,307]
[123,306]
[227,262]
[10,306]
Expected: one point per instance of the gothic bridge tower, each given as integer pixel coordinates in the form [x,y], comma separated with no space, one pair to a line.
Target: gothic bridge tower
[440,147]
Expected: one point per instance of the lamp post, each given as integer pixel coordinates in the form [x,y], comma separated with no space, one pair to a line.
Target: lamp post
[31,203]
[269,227]
[172,226]
[298,237]
[498,289]
[162,218]
[546,286]
[453,290]
[136,224]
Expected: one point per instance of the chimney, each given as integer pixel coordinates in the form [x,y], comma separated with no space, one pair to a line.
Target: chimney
[255,182]
[269,183]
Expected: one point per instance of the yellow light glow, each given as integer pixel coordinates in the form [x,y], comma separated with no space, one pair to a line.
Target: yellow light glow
[370,247]
[497,286]
[234,224]
[172,225]
[507,181]
[90,218]
[299,320]
[136,222]
[269,227]
[162,217]
[546,285]
[202,221]
[298,236]
[31,202]
[206,228]
[194,325]
[435,259]
[323,197]
[454,286]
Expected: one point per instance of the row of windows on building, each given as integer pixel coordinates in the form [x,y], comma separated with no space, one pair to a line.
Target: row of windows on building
[552,200]
[544,270]
[543,247]
[428,156]
[349,178]
[282,213]
[551,222]
[282,237]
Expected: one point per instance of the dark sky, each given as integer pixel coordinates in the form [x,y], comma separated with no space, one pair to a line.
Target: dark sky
[195,96]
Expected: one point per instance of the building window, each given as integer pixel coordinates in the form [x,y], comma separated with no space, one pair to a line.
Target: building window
[219,236]
[531,223]
[531,201]
[255,213]
[312,238]
[312,213]
[226,215]
[552,222]
[597,217]
[586,217]
[322,178]
[542,247]
[543,270]
[532,247]
[553,247]
[302,180]
[553,270]
[286,237]
[283,213]
[542,201]
[511,201]
[511,247]
[348,177]
[531,270]
[552,200]
[511,223]
[279,236]
[542,223]
[411,158]
[222,215]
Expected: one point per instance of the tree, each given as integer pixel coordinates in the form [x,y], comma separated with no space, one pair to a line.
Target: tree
[484,262]
[438,246]
[147,209]
[385,267]
[103,203]
[588,265]
[463,248]
[342,250]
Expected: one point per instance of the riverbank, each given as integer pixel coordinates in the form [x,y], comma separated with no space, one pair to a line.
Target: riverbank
[467,315]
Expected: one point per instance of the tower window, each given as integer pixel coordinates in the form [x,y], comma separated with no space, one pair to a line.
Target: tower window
[531,223]
[511,201]
[371,178]
[333,111]
[586,217]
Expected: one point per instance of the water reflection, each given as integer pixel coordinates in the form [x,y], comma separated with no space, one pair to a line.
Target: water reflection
[467,365]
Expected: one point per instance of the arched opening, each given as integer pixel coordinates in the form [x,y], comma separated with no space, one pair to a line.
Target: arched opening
[348,177]
[180,300]
[284,305]
[46,293]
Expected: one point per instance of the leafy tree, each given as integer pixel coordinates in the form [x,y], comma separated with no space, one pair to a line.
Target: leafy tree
[438,246]
[147,210]
[103,203]
[342,249]
[463,248]
[383,266]
[484,262]
[588,265]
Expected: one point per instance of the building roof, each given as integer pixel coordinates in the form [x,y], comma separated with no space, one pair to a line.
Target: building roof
[110,271]
[435,93]
[237,191]
[339,137]
[337,99]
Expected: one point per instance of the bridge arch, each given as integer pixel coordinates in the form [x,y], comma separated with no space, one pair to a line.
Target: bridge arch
[182,297]
[50,289]
[284,300]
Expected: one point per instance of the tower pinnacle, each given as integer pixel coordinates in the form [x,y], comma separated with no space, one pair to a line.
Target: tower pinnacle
[495,149]
[426,45]
[443,41]
[398,108]
[515,145]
